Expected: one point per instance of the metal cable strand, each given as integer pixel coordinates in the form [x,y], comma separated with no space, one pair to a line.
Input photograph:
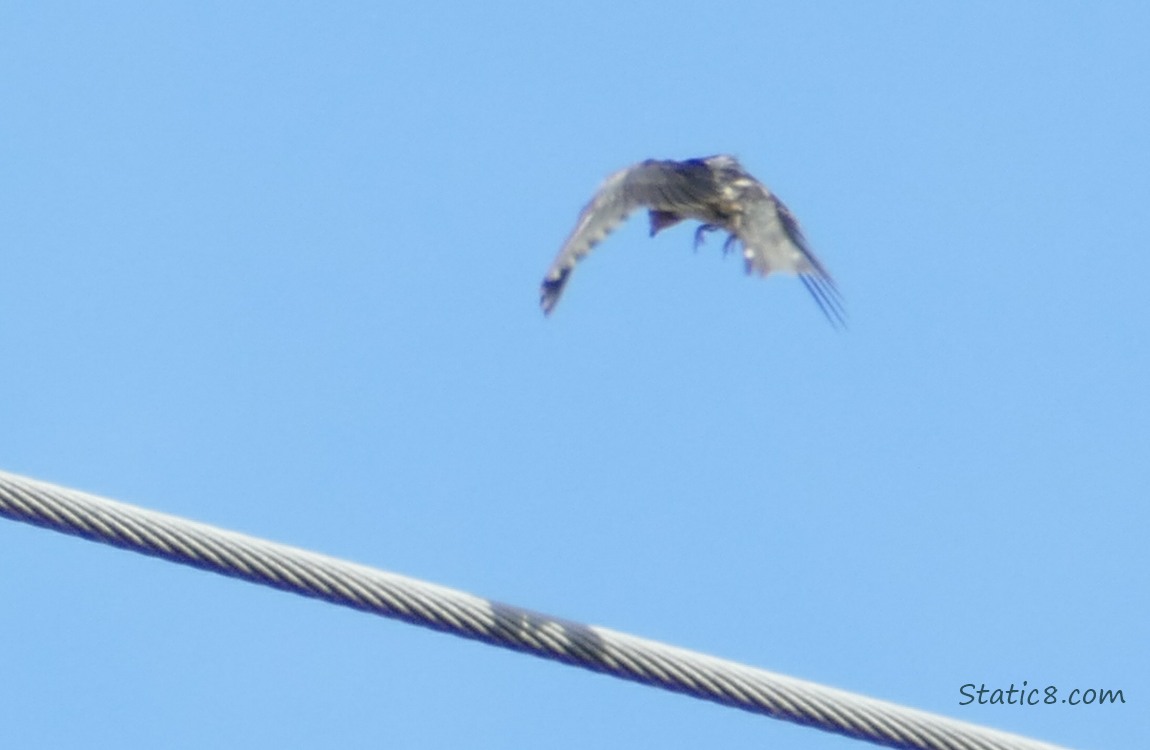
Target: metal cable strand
[459,613]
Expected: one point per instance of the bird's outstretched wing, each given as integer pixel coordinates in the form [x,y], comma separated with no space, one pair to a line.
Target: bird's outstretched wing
[773,241]
[715,190]
[671,190]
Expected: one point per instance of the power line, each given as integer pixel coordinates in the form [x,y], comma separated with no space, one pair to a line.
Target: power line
[390,595]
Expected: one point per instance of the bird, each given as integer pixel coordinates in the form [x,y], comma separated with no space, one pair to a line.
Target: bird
[715,190]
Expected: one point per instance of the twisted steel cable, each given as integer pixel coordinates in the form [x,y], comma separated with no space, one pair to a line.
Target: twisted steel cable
[440,608]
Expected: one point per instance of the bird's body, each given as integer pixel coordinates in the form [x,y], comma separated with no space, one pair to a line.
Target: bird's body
[715,190]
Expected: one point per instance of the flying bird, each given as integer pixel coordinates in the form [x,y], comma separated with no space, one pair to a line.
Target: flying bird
[716,191]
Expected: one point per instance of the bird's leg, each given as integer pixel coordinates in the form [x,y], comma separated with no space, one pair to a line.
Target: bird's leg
[704,228]
[731,240]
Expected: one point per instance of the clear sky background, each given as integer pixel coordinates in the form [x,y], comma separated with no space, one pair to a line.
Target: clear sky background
[275,267]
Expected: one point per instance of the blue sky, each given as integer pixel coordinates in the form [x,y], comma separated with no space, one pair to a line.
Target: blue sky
[275,267]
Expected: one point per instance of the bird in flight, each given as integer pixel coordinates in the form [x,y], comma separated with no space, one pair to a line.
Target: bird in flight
[715,190]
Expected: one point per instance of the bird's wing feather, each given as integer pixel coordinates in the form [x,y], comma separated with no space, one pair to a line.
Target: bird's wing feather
[668,186]
[773,241]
